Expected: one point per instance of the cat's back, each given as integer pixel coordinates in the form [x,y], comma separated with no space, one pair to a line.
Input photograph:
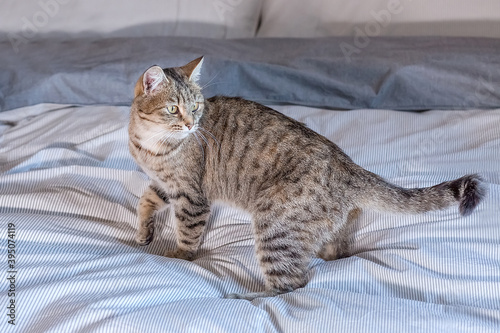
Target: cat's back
[250,118]
[260,147]
[237,107]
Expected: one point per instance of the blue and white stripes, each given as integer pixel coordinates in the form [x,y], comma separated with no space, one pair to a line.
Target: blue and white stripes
[70,187]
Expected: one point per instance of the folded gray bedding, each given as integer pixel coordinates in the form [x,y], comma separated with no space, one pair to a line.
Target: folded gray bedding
[414,73]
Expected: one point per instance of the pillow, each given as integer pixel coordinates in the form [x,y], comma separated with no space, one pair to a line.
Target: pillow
[128,18]
[321,18]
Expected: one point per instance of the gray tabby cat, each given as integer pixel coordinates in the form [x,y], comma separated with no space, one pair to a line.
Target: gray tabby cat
[299,187]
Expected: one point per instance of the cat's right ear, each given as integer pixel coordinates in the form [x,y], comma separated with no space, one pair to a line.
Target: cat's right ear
[149,82]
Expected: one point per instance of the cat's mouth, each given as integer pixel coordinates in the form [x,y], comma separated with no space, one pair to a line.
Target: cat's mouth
[184,132]
[180,132]
[157,140]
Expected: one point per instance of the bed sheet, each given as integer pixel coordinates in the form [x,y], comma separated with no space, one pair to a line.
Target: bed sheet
[69,189]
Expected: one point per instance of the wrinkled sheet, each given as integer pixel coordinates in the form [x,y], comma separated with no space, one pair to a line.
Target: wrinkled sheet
[70,187]
[413,73]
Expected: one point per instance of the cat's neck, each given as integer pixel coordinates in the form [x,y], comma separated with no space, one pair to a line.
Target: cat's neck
[160,150]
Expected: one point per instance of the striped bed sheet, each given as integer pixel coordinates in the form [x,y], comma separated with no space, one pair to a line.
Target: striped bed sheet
[68,192]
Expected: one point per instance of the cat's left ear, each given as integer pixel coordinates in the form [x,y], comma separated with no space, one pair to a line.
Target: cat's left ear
[193,69]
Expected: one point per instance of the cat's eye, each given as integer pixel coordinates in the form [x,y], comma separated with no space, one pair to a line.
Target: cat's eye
[195,107]
[172,109]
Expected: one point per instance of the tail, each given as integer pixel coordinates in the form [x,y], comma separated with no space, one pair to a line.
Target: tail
[467,191]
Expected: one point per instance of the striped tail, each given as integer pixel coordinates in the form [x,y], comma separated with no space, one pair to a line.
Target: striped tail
[467,192]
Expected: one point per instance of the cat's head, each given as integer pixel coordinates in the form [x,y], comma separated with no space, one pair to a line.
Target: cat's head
[167,103]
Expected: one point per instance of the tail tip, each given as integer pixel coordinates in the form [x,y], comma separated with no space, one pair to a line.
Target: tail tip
[474,190]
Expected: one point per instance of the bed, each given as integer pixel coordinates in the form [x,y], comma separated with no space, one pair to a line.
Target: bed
[413,108]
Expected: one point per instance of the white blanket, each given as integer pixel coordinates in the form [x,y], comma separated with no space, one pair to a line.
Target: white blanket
[69,188]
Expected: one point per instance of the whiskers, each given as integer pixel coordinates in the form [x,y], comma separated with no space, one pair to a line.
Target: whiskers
[202,133]
[155,134]
[201,148]
[210,134]
[163,141]
[210,83]
[159,138]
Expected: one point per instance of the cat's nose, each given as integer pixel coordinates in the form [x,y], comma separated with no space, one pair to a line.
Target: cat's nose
[188,121]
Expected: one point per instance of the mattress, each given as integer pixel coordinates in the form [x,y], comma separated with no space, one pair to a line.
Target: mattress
[69,189]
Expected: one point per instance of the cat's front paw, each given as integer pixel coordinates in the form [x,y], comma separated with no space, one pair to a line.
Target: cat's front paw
[180,254]
[145,232]
[144,237]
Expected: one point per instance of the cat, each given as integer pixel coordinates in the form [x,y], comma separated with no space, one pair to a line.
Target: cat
[299,187]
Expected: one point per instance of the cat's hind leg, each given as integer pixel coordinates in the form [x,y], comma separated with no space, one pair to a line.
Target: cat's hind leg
[284,247]
[338,246]
[151,201]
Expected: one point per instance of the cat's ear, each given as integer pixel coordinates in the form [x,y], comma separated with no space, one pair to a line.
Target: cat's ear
[193,69]
[149,81]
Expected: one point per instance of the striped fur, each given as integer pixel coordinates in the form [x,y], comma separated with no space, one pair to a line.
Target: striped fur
[299,187]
